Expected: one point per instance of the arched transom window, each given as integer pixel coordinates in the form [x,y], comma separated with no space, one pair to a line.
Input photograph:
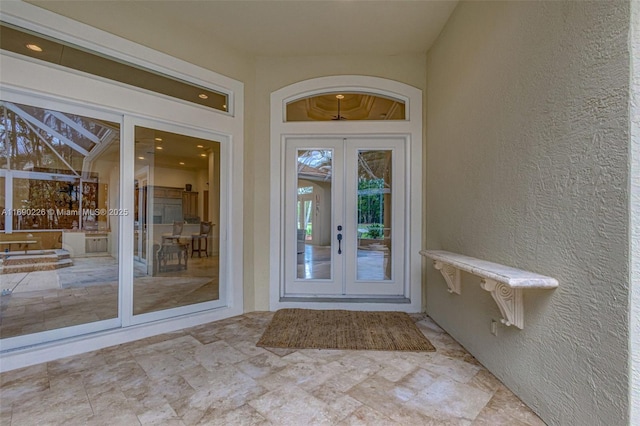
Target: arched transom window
[338,106]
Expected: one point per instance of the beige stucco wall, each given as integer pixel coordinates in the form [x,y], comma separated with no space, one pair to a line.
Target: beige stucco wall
[634,327]
[527,141]
[273,73]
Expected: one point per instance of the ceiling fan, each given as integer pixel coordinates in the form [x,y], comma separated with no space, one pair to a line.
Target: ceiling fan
[339,117]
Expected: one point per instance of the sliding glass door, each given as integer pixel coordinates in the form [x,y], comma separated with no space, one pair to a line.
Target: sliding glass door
[64,269]
[176,228]
[59,239]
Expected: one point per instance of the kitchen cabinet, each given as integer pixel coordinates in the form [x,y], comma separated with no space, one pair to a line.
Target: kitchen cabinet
[190,206]
[167,204]
[96,243]
[166,192]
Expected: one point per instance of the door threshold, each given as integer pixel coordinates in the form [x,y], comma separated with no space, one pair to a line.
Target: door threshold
[346,299]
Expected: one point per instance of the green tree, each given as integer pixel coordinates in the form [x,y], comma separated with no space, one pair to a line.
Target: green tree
[370,200]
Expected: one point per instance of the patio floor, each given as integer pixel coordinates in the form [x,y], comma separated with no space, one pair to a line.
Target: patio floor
[214,374]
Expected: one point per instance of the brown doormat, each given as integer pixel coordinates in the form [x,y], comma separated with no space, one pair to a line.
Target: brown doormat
[336,329]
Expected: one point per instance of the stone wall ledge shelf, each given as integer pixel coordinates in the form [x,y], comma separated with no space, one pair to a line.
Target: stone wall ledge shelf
[503,282]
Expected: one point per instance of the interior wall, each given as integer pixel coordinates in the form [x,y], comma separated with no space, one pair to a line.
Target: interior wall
[321,211]
[273,73]
[527,139]
[175,178]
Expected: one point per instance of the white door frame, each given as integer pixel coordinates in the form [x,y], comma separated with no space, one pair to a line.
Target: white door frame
[411,129]
[343,282]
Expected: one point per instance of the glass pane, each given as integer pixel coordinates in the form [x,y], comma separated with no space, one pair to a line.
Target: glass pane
[345,106]
[59,234]
[177,193]
[61,53]
[374,215]
[313,248]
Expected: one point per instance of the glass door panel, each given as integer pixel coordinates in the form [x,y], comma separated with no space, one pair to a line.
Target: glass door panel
[374,225]
[374,204]
[59,224]
[176,241]
[313,254]
[314,180]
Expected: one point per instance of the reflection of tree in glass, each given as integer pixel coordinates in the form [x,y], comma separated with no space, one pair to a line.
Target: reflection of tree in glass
[374,188]
[31,148]
[54,147]
[315,164]
[375,230]
[52,196]
[370,200]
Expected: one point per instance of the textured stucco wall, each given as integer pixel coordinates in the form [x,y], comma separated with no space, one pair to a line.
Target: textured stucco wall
[634,328]
[527,165]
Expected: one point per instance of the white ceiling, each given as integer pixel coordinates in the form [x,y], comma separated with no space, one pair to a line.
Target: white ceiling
[268,28]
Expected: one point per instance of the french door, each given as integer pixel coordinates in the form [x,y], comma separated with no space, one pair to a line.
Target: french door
[345,231]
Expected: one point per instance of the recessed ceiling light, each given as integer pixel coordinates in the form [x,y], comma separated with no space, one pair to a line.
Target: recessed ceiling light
[34,47]
[141,158]
[340,96]
[182,163]
[158,139]
[203,96]
[200,146]
[203,155]
[158,147]
[224,107]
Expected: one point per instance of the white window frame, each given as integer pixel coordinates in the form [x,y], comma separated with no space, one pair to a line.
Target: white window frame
[31,78]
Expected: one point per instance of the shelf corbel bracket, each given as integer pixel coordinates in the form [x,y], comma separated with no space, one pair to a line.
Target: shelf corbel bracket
[451,275]
[508,299]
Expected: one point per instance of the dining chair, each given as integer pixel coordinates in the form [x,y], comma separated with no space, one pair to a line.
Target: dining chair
[176,232]
[203,235]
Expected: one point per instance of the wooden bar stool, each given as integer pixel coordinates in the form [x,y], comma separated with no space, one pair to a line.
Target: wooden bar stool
[205,230]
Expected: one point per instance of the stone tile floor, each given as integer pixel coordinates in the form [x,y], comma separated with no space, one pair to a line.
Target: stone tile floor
[214,374]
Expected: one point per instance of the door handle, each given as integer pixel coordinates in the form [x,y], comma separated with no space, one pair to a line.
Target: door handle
[339,243]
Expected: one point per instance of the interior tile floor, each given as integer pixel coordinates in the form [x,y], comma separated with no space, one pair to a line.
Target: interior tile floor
[214,374]
[371,263]
[88,291]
